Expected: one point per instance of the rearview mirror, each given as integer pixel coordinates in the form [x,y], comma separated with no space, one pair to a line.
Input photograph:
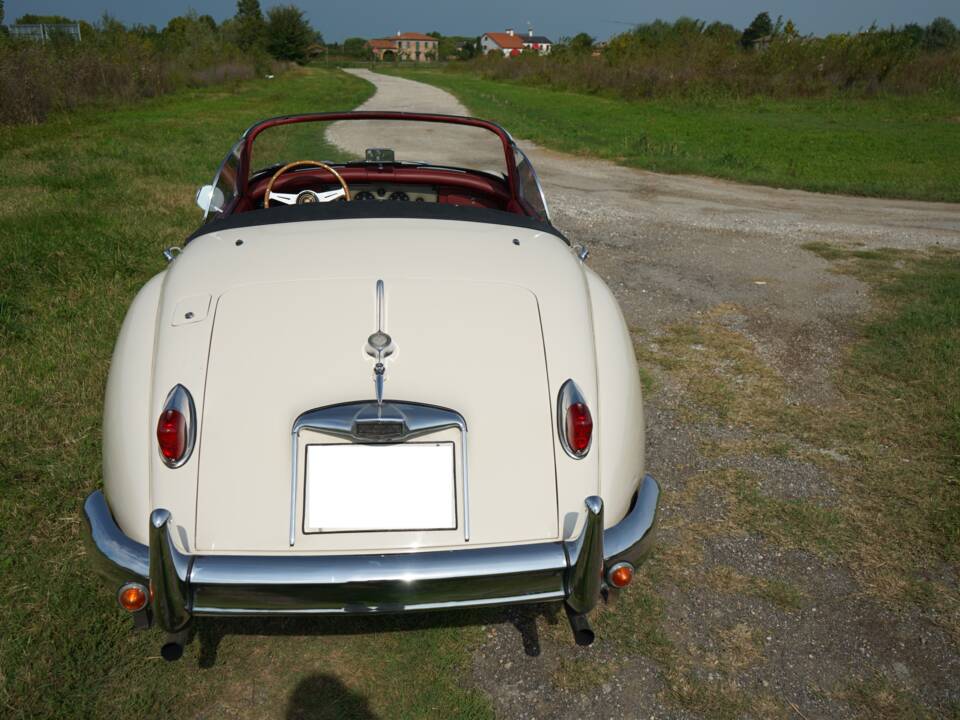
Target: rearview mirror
[384,155]
[210,199]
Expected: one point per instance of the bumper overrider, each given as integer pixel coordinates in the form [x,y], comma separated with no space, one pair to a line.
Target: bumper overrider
[184,586]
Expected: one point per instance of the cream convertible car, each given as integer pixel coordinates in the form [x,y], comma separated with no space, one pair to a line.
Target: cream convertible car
[384,382]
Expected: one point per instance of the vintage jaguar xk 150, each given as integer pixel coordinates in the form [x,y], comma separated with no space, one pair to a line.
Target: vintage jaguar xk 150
[379,383]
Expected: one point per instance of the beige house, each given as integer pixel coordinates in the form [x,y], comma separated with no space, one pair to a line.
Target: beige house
[410,47]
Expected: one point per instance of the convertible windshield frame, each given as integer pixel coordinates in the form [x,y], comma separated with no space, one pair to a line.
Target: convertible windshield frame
[507,142]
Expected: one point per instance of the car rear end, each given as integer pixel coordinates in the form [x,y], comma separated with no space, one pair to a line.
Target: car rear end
[299,465]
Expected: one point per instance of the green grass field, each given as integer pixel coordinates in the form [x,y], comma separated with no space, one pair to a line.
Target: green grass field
[88,201]
[898,147]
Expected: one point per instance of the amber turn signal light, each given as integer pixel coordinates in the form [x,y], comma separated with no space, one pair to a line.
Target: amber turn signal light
[132,597]
[620,575]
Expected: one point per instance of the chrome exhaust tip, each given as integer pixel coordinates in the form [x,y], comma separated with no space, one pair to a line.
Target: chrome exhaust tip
[583,634]
[171,651]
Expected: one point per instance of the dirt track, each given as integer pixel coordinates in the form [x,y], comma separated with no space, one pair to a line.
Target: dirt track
[682,250]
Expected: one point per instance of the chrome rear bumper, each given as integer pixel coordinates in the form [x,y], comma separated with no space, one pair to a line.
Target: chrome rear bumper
[188,585]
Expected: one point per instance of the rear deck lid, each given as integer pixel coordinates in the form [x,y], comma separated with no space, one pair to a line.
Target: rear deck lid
[281,349]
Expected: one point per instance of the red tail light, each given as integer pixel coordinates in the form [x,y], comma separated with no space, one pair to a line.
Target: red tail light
[579,427]
[574,421]
[177,427]
[172,435]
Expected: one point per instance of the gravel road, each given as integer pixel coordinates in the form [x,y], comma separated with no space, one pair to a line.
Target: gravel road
[674,249]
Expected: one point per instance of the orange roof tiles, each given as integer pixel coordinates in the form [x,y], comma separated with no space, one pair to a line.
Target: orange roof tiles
[505,40]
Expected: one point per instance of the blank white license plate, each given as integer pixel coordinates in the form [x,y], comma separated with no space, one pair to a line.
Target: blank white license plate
[352,488]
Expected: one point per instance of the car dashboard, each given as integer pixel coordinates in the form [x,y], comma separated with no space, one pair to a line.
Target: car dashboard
[402,193]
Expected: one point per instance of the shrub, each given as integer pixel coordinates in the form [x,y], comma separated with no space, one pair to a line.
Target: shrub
[114,63]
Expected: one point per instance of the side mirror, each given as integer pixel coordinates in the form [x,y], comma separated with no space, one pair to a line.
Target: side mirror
[210,199]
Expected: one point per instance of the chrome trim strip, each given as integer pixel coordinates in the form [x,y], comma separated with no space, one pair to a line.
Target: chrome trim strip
[586,560]
[570,394]
[180,399]
[380,304]
[419,607]
[466,482]
[169,575]
[347,419]
[380,346]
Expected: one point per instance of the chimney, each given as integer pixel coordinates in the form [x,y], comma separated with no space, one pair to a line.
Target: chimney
[510,32]
[398,33]
[530,32]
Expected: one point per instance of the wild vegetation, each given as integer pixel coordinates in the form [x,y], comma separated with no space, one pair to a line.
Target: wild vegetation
[112,62]
[692,59]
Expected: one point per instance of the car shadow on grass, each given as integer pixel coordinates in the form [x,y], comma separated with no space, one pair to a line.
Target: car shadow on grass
[210,631]
[322,696]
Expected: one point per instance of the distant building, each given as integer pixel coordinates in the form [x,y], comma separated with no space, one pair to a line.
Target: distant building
[507,43]
[537,43]
[510,44]
[412,47]
[383,49]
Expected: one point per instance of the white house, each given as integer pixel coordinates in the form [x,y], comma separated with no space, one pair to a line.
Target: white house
[508,43]
[537,43]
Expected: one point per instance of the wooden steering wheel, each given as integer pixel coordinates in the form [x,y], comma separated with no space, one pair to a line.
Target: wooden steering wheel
[305,196]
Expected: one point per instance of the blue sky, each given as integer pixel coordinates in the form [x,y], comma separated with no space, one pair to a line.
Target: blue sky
[338,19]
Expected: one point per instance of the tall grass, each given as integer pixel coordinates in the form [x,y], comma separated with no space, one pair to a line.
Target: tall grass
[114,63]
[689,59]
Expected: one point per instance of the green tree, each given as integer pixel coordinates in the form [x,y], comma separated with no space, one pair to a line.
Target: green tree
[1,12]
[469,49]
[249,28]
[190,31]
[913,34]
[289,35]
[581,43]
[355,47]
[941,34]
[761,27]
[722,32]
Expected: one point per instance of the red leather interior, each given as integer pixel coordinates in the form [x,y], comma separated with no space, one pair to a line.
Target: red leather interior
[453,187]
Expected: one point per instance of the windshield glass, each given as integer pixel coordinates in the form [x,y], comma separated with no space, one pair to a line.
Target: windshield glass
[225,184]
[530,189]
[402,141]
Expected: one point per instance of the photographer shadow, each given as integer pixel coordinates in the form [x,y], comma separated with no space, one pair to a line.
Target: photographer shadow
[324,697]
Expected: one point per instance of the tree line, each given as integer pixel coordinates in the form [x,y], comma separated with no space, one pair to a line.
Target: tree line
[282,33]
